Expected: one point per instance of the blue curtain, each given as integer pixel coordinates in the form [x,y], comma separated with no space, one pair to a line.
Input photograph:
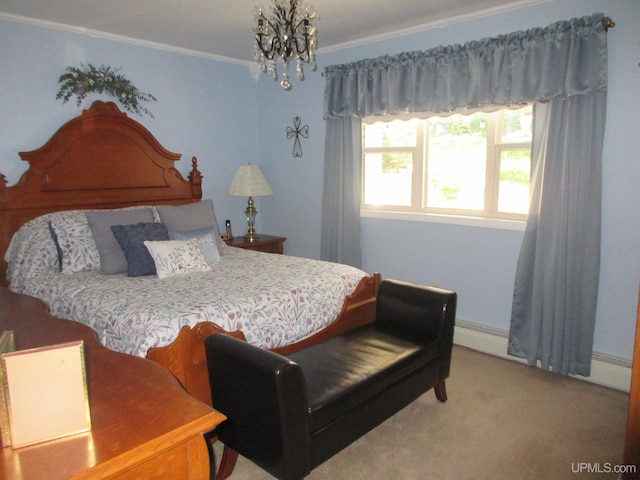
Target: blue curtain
[550,66]
[566,58]
[341,191]
[556,286]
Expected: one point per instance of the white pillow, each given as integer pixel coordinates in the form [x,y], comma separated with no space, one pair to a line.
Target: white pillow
[175,257]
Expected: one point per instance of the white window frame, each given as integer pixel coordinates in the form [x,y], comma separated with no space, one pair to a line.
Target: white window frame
[418,211]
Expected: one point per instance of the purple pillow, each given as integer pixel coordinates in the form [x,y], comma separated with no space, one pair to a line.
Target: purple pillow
[131,239]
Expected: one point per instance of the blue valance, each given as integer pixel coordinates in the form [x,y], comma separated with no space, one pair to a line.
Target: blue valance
[566,58]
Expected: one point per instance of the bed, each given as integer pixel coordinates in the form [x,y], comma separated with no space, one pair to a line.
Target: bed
[103,163]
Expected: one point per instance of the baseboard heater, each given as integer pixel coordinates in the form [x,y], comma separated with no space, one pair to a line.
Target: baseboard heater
[607,370]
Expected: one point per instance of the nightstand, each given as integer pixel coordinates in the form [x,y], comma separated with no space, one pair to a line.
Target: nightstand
[266,243]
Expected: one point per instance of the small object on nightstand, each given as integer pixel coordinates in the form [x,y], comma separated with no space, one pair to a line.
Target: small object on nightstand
[228,226]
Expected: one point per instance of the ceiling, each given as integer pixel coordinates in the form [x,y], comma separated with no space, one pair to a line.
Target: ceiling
[222,28]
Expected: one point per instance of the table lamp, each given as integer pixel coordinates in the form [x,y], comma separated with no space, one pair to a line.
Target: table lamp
[250,182]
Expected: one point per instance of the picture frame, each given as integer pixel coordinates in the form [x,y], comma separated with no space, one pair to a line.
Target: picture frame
[56,373]
[7,342]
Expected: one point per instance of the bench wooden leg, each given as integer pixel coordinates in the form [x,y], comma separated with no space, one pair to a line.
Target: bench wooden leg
[441,391]
[227,463]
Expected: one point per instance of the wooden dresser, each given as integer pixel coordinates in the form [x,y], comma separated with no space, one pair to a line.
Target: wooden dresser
[632,437]
[144,425]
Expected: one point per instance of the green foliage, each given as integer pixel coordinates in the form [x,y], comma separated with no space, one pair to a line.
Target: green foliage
[450,193]
[516,176]
[516,166]
[459,125]
[395,162]
[80,82]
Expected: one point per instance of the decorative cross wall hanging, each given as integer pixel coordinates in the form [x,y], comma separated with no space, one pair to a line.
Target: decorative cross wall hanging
[296,133]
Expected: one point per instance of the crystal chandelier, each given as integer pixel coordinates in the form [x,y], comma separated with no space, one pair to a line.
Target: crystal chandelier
[287,33]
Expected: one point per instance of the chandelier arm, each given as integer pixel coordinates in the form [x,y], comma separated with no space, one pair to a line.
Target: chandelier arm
[298,50]
[292,14]
[274,41]
[276,30]
[304,21]
[275,27]
[271,52]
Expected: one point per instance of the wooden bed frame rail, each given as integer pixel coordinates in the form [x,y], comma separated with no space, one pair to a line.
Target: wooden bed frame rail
[186,357]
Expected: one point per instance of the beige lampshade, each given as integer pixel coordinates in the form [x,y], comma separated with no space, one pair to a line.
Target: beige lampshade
[249,182]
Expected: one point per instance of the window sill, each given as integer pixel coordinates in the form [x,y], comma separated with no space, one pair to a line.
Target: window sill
[448,219]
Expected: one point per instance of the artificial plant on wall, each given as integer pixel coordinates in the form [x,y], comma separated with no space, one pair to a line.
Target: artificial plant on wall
[80,82]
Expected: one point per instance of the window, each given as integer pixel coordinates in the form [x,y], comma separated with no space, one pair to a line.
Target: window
[476,164]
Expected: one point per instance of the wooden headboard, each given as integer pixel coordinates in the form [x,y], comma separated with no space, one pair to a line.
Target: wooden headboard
[101,159]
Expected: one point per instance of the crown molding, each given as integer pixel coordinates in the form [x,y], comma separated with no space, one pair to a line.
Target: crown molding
[517,5]
[121,38]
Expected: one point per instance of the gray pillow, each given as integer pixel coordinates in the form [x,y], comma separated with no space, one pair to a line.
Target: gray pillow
[189,217]
[112,259]
[131,239]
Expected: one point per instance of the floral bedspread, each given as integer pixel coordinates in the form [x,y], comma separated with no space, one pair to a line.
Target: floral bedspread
[274,299]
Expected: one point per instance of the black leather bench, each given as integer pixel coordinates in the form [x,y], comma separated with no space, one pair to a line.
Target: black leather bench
[290,414]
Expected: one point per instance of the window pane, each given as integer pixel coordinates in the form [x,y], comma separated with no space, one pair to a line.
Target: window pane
[472,165]
[397,133]
[515,175]
[387,178]
[516,125]
[457,162]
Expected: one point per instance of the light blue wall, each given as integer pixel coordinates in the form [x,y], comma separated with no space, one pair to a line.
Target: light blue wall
[216,111]
[204,108]
[478,263]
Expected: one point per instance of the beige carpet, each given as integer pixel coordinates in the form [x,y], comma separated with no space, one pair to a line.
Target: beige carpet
[503,420]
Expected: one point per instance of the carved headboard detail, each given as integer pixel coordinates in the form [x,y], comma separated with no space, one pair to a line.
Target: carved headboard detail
[101,159]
